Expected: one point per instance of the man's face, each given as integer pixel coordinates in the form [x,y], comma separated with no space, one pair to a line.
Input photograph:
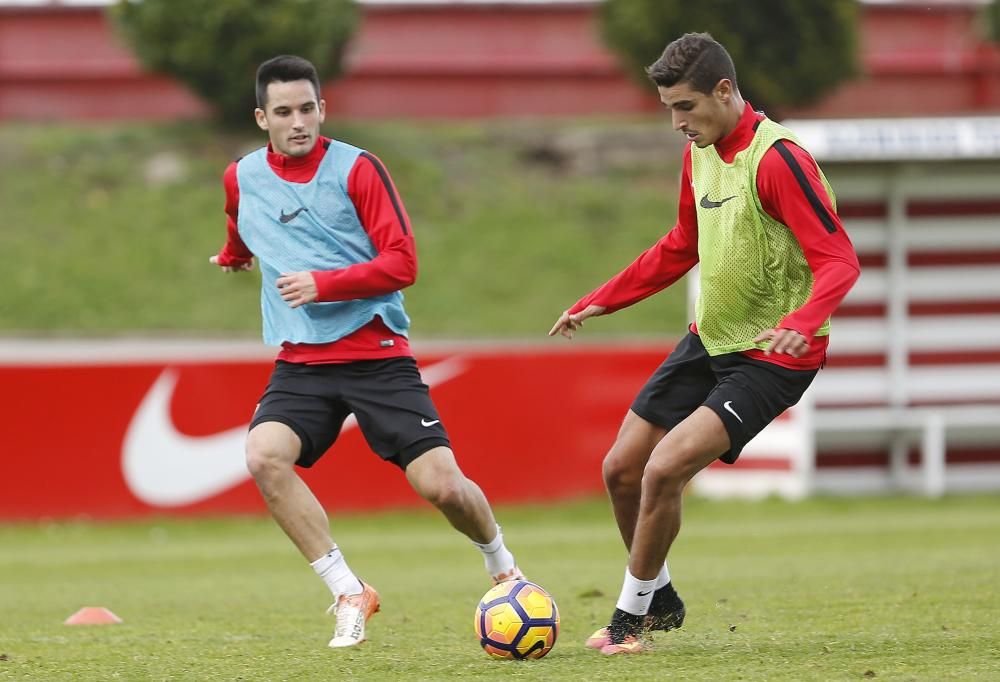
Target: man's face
[291,117]
[704,119]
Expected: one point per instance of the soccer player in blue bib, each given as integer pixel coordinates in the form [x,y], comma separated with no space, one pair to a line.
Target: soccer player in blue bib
[335,247]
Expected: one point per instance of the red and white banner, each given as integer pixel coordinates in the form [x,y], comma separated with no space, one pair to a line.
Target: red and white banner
[110,434]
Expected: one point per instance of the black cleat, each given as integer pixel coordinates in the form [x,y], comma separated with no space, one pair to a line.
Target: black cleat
[666,611]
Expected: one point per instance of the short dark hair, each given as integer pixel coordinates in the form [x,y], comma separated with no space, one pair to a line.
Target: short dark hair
[695,58]
[284,68]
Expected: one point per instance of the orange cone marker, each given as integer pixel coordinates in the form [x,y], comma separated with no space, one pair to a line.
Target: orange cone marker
[93,615]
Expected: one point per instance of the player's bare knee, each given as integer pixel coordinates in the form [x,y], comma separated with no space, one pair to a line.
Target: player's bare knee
[669,469]
[620,473]
[663,478]
[622,466]
[448,492]
[265,458]
[674,463]
[260,464]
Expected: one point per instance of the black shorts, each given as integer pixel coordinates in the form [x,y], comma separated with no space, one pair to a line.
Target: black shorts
[747,394]
[389,399]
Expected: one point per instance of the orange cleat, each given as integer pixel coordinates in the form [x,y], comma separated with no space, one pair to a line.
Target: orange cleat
[352,612]
[599,639]
[513,574]
[629,645]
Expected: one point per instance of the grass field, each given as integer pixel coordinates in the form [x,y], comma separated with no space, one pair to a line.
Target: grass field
[108,230]
[892,589]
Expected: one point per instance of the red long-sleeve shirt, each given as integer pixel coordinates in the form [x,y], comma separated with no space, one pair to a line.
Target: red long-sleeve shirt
[782,181]
[383,217]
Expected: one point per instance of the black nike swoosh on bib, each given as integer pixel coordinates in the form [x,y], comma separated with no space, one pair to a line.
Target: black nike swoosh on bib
[708,203]
[289,217]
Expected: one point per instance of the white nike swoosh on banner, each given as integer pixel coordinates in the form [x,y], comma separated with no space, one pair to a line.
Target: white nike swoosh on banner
[165,468]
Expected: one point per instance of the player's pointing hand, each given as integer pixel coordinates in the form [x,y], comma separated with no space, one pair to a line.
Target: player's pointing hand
[297,288]
[567,324]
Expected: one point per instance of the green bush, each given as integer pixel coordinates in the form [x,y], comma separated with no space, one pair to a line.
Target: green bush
[991,15]
[787,52]
[215,47]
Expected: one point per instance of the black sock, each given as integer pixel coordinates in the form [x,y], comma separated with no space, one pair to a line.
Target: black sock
[666,609]
[665,599]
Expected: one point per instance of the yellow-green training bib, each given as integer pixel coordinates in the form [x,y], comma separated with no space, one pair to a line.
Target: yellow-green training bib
[752,271]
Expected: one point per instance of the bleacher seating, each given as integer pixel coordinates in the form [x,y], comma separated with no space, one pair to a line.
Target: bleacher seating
[910,396]
[915,357]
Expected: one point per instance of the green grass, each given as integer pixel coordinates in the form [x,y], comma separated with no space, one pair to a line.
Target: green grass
[108,230]
[892,588]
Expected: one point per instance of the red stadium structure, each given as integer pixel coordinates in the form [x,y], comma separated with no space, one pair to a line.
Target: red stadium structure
[62,61]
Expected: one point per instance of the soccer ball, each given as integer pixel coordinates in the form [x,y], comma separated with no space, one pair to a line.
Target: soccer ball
[517,619]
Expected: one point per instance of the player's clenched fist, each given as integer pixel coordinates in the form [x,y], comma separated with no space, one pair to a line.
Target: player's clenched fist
[782,340]
[297,288]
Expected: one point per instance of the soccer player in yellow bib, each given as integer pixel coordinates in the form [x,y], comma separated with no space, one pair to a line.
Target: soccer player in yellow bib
[759,216]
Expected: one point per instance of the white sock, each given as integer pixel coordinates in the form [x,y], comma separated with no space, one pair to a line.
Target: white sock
[636,595]
[663,578]
[337,575]
[498,557]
